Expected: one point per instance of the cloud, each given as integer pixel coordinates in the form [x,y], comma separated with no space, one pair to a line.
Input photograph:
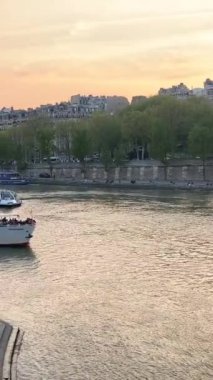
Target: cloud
[82,29]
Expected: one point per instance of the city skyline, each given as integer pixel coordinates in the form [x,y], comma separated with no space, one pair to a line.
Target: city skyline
[53,49]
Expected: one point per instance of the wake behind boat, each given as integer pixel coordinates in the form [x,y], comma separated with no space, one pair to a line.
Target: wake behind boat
[9,199]
[14,231]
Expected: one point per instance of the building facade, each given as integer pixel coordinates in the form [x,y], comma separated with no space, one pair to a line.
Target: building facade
[81,106]
[78,107]
[208,89]
[138,100]
[9,117]
[181,91]
[110,104]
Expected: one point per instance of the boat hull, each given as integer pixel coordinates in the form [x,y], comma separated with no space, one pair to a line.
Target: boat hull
[14,182]
[15,235]
[10,205]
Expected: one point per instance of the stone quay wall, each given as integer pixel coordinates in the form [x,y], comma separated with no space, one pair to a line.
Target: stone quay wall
[138,171]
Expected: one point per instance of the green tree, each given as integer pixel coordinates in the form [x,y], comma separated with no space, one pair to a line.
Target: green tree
[81,143]
[22,145]
[119,155]
[106,159]
[201,144]
[136,129]
[45,139]
[161,143]
[107,138]
[106,134]
[7,150]
[64,132]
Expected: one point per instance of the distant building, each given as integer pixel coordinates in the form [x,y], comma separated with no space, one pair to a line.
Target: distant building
[9,117]
[199,92]
[115,104]
[81,106]
[95,103]
[138,99]
[181,91]
[208,88]
[78,107]
[110,104]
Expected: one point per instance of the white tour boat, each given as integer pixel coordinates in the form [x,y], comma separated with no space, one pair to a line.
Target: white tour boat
[9,198]
[14,231]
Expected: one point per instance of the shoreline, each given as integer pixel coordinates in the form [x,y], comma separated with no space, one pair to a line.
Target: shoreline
[151,185]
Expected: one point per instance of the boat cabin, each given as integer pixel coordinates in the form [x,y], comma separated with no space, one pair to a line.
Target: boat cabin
[9,198]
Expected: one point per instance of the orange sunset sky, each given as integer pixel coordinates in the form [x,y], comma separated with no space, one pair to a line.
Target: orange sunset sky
[51,49]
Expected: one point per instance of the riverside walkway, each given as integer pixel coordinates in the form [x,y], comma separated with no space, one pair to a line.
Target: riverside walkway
[10,341]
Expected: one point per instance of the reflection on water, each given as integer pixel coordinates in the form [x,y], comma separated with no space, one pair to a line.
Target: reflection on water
[11,254]
[114,286]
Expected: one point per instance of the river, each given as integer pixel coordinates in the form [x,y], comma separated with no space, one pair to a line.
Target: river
[116,285]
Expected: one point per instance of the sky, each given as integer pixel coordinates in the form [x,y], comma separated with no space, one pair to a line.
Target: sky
[52,49]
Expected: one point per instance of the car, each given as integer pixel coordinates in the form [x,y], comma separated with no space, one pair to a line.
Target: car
[52,159]
[44,175]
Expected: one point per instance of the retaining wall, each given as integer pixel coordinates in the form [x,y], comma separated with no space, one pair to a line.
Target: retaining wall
[141,171]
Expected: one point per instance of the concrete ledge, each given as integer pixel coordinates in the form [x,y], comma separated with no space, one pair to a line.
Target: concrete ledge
[10,344]
[173,185]
[6,331]
[7,357]
[15,354]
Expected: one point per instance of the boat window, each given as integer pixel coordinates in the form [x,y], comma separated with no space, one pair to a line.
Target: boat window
[6,195]
[14,175]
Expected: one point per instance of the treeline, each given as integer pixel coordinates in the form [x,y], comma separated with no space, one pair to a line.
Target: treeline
[159,128]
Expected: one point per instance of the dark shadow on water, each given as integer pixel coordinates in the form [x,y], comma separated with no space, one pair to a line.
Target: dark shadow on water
[10,211]
[16,254]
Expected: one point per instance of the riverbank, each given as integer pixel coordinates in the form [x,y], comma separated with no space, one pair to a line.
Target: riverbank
[181,185]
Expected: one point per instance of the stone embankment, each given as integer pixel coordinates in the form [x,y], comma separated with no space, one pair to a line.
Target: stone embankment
[10,344]
[176,174]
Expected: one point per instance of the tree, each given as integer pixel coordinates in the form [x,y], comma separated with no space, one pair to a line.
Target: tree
[106,133]
[22,140]
[161,143]
[107,138]
[45,139]
[64,132]
[119,155]
[136,129]
[81,143]
[41,134]
[7,150]
[200,144]
[106,159]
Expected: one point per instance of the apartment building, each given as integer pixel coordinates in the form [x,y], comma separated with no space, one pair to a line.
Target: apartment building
[138,100]
[9,117]
[181,91]
[208,89]
[110,104]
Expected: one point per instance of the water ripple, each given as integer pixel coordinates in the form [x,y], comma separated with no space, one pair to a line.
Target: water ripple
[114,286]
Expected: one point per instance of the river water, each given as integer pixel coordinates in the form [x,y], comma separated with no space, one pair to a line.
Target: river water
[115,285]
